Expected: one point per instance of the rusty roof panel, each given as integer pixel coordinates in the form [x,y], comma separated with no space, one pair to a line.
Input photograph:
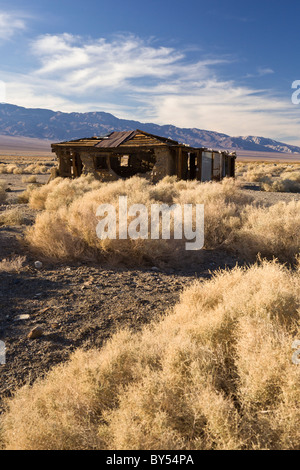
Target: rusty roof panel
[116,139]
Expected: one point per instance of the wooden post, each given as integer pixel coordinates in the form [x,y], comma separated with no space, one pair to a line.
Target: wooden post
[179,162]
[199,165]
[232,169]
[74,166]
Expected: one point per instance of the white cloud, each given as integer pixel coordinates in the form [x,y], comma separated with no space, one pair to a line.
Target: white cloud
[265,71]
[261,72]
[136,80]
[10,24]
[101,63]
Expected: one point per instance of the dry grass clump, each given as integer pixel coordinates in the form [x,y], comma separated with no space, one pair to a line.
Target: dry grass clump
[21,169]
[67,228]
[11,217]
[271,231]
[273,177]
[217,373]
[286,184]
[258,172]
[36,169]
[61,192]
[11,168]
[3,194]
[29,179]
[14,264]
[24,197]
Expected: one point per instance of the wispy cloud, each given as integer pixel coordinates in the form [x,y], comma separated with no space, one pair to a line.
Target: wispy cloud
[114,64]
[232,18]
[261,72]
[265,71]
[137,79]
[10,24]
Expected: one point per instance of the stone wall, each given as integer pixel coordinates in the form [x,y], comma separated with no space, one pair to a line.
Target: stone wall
[165,164]
[89,169]
[64,166]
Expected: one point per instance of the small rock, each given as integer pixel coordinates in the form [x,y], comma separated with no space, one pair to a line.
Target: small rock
[23,317]
[154,268]
[38,265]
[36,333]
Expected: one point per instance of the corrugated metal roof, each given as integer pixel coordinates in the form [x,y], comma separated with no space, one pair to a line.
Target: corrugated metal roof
[116,139]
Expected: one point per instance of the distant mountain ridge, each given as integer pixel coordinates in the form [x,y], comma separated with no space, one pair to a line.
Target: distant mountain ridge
[58,126]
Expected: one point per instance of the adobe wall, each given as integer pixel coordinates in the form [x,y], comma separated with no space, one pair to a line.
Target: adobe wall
[89,169]
[64,166]
[165,164]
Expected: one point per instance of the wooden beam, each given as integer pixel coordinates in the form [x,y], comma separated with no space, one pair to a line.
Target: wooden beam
[199,165]
[179,162]
[75,172]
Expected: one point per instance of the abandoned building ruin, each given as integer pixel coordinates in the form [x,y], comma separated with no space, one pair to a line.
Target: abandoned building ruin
[129,153]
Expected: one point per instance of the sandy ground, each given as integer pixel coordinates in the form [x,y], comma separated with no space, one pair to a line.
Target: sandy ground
[79,305]
[24,146]
[268,198]
[262,157]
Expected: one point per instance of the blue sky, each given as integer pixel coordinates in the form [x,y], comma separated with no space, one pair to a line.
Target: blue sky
[220,65]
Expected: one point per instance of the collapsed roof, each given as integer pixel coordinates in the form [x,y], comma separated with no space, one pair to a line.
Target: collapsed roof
[120,138]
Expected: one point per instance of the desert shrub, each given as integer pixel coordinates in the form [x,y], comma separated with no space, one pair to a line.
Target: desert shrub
[216,373]
[273,177]
[67,228]
[282,185]
[24,197]
[36,169]
[292,174]
[61,192]
[12,169]
[270,231]
[3,193]
[14,264]
[258,172]
[17,171]
[12,217]
[21,168]
[29,179]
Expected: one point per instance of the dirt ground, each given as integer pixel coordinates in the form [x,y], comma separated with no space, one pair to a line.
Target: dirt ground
[80,305]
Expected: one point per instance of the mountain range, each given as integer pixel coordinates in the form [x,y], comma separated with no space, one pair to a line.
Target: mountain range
[54,126]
